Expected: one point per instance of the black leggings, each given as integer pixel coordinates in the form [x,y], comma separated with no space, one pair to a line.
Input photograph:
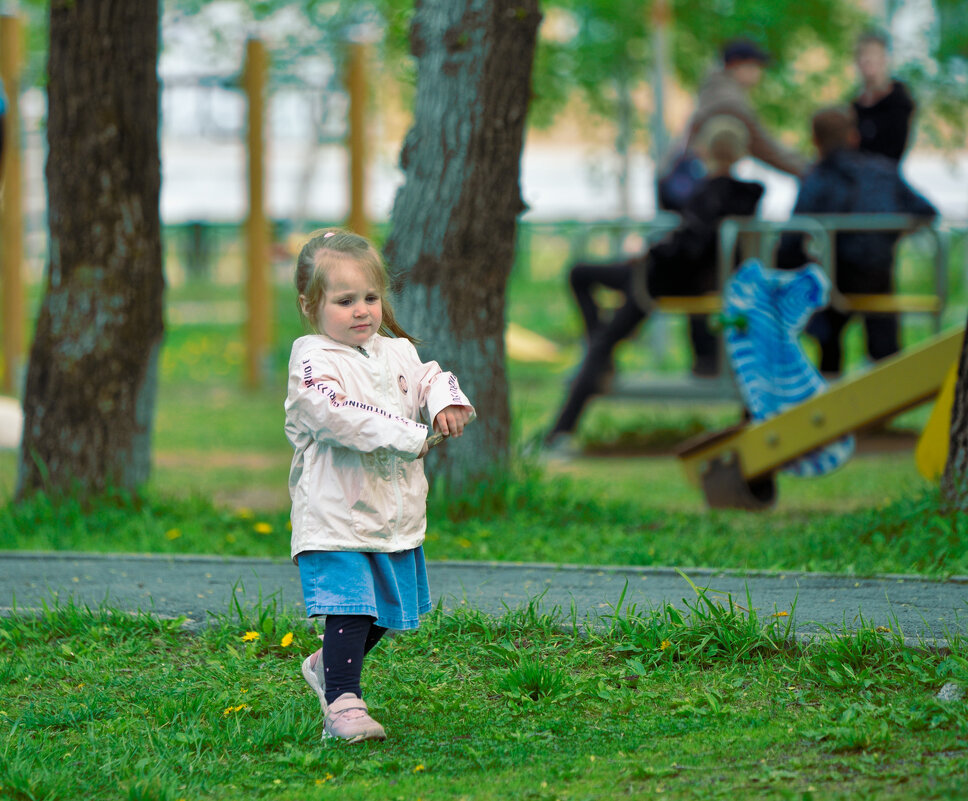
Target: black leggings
[347,639]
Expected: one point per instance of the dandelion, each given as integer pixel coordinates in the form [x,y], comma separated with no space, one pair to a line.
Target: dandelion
[286,640]
[232,709]
[782,614]
[172,534]
[249,636]
[883,629]
[263,528]
[664,644]
[419,768]
[327,778]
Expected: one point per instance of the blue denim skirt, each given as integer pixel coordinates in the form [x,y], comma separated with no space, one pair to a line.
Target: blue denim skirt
[391,587]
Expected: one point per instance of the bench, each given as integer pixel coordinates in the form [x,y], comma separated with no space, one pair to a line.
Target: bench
[758,238]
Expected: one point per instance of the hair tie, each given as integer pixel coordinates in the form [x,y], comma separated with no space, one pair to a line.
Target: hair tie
[328,234]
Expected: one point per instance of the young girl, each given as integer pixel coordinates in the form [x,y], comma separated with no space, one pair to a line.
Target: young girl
[357,390]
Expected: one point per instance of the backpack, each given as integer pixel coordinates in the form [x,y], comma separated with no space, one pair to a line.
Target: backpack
[680,181]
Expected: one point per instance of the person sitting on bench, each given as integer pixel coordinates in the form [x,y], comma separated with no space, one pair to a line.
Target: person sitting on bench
[844,181]
[682,264]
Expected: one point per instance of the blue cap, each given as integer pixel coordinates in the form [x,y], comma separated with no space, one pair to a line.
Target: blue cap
[744,50]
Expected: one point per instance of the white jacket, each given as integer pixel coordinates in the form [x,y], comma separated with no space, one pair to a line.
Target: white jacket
[351,415]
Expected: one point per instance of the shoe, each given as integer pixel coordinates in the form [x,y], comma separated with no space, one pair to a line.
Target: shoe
[347,719]
[559,446]
[314,677]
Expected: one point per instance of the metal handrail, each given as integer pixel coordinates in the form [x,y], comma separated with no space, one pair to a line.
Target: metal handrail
[824,228]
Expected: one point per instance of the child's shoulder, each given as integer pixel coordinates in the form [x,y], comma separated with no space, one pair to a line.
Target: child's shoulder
[309,343]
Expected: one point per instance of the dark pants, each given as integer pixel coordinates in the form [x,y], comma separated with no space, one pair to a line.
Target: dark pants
[605,334]
[882,330]
[827,327]
[347,639]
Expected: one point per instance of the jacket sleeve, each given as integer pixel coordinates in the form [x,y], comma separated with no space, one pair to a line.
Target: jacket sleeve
[912,202]
[767,149]
[437,388]
[318,404]
[762,146]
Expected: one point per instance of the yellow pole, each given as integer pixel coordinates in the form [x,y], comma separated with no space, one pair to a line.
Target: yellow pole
[11,216]
[259,285]
[356,83]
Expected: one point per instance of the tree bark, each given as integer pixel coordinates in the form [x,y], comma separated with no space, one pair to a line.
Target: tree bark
[89,396]
[454,219]
[954,482]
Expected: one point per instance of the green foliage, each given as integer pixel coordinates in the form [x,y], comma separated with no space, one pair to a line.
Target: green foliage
[527,705]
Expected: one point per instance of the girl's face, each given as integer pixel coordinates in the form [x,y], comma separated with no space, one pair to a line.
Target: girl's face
[351,309]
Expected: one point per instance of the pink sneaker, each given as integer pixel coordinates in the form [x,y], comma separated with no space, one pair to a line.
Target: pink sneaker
[313,672]
[347,719]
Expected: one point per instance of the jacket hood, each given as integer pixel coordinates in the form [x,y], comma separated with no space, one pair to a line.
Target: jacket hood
[321,341]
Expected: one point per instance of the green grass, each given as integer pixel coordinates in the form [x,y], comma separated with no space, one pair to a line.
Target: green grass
[526,516]
[706,703]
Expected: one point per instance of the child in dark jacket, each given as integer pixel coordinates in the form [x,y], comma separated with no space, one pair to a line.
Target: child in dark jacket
[682,264]
[846,180]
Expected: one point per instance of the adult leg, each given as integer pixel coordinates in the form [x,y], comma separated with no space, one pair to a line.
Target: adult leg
[584,277]
[596,364]
[705,346]
[883,338]
[882,330]
[826,327]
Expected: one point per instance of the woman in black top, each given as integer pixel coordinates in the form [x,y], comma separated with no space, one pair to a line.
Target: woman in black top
[884,106]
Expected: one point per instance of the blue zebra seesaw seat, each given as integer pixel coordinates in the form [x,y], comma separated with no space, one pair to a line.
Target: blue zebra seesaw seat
[768,310]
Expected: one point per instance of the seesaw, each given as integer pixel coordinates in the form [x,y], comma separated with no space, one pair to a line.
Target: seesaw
[735,467]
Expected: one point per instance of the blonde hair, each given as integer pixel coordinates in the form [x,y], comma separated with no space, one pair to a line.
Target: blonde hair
[724,138]
[328,247]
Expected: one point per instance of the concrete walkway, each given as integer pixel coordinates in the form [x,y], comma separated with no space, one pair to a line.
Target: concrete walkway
[197,586]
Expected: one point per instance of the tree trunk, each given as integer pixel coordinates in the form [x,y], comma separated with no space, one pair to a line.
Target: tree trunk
[89,397]
[954,482]
[454,219]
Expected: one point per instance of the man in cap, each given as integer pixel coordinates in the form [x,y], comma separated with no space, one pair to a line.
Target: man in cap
[726,91]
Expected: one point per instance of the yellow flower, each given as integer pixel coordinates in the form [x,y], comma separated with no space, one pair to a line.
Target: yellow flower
[173,534]
[664,644]
[419,768]
[230,709]
[328,777]
[286,640]
[262,528]
[249,636]
[244,513]
[782,614]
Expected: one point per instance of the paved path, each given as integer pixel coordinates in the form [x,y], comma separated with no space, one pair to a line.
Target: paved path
[197,586]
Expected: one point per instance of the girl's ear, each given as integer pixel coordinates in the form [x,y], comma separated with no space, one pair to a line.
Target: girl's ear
[304,306]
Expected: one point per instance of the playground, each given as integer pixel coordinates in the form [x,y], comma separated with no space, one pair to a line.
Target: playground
[698,599]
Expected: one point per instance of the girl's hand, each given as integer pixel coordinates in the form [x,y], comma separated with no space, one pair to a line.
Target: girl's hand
[451,421]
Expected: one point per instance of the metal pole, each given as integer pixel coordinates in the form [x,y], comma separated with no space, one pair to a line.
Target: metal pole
[259,285]
[11,217]
[356,83]
[661,17]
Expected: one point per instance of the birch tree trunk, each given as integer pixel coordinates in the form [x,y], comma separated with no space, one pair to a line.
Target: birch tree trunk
[89,396]
[454,219]
[954,482]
